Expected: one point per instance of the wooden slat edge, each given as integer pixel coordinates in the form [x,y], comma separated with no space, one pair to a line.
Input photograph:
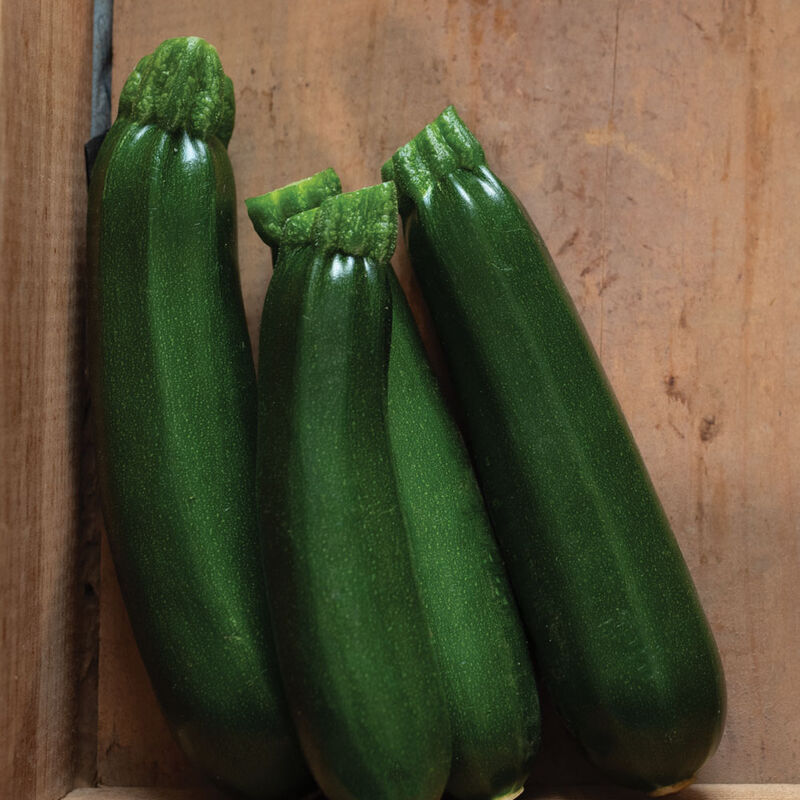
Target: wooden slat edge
[708,791]
[144,793]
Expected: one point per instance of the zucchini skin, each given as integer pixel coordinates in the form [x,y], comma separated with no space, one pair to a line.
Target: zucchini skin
[619,635]
[354,649]
[477,633]
[174,405]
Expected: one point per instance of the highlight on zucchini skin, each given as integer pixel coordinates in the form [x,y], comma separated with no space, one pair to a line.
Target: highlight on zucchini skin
[481,649]
[173,396]
[354,649]
[619,635]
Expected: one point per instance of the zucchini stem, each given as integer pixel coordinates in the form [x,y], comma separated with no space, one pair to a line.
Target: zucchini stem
[269,212]
[181,86]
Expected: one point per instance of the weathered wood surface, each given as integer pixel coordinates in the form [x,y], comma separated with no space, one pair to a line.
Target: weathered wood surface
[44,120]
[655,144]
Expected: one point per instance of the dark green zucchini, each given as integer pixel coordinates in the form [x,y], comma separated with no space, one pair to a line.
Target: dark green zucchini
[354,649]
[481,647]
[478,640]
[618,631]
[174,404]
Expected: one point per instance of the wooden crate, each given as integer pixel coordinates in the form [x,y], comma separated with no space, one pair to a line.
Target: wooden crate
[654,143]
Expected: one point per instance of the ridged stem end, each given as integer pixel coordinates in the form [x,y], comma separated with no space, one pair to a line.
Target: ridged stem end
[511,795]
[440,148]
[181,86]
[665,791]
[299,229]
[269,212]
[362,223]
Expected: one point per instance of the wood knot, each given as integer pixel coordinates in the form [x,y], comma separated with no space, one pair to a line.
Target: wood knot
[672,390]
[709,428]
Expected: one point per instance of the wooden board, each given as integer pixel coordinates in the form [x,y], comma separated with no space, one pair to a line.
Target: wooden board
[655,144]
[718,791]
[45,89]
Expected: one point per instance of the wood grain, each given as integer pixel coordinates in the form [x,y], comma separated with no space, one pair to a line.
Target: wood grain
[718,791]
[655,144]
[45,86]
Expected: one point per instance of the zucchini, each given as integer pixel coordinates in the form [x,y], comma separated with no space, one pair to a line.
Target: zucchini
[173,397]
[354,649]
[478,640]
[478,636]
[618,632]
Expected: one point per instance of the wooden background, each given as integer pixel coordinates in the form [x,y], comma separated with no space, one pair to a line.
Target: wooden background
[655,143]
[45,89]
[656,146]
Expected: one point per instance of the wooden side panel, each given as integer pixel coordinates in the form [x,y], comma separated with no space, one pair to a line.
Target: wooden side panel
[655,144]
[45,87]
